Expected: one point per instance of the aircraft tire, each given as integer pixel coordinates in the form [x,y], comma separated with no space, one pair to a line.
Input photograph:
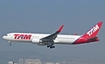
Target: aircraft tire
[48,46]
[52,47]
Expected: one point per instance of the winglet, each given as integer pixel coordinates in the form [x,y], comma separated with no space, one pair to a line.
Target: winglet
[60,29]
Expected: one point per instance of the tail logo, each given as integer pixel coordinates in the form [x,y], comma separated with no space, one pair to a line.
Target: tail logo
[93,30]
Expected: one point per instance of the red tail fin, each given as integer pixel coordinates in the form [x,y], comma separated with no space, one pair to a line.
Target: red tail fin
[93,31]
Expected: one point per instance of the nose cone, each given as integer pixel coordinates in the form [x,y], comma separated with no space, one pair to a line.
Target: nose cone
[4,37]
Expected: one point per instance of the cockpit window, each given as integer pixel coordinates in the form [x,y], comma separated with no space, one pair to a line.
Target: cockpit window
[7,34]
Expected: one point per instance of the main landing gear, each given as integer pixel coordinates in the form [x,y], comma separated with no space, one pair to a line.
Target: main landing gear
[51,46]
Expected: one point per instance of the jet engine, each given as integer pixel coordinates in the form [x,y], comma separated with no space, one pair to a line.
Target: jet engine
[38,41]
[35,41]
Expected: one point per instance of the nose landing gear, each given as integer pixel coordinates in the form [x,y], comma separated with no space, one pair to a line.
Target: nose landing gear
[9,43]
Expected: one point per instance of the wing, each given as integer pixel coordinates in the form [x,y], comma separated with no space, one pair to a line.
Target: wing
[49,40]
[53,36]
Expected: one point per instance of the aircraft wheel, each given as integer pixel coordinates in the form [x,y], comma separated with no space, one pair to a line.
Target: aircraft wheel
[48,46]
[10,44]
[52,47]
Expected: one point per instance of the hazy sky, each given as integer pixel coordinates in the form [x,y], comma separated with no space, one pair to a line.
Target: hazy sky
[45,16]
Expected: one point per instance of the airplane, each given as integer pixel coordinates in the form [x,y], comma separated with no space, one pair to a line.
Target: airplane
[55,38]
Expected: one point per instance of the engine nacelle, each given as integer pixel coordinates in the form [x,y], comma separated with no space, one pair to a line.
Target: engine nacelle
[35,41]
[38,41]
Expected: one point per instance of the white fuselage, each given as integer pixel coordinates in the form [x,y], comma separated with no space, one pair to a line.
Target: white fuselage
[34,38]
